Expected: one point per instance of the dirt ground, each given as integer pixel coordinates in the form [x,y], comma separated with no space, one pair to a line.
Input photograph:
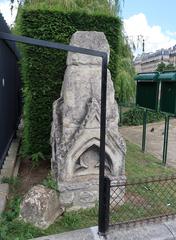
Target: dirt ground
[30,176]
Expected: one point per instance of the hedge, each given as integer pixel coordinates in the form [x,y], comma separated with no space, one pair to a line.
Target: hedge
[43,69]
[134,117]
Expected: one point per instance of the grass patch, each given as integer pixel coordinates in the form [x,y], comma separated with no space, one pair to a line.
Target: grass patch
[18,230]
[138,165]
[146,200]
[49,182]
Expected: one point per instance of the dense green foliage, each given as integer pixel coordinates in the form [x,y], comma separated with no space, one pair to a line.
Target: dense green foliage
[125,84]
[43,69]
[84,6]
[135,117]
[75,4]
[165,67]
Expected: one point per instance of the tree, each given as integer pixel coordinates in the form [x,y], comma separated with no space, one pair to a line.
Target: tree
[170,67]
[125,84]
[163,67]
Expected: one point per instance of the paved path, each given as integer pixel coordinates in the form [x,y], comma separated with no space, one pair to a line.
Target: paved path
[154,140]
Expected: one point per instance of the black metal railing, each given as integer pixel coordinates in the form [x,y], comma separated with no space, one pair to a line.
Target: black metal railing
[142,200]
[104,56]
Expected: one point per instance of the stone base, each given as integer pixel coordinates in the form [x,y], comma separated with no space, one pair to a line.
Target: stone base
[84,193]
[80,194]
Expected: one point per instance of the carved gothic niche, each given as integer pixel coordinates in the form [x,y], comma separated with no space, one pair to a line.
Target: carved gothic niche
[88,163]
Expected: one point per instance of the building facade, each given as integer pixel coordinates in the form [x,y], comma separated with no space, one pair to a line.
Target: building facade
[148,62]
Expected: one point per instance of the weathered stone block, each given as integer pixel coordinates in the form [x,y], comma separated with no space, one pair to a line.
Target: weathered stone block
[77,195]
[75,135]
[41,207]
[90,40]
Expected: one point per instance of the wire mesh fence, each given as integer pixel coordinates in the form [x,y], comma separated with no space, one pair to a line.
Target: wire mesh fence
[142,200]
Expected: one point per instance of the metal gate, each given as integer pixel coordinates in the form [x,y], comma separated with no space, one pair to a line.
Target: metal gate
[10,92]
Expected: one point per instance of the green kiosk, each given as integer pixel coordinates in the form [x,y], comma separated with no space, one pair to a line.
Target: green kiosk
[167,103]
[157,92]
[147,92]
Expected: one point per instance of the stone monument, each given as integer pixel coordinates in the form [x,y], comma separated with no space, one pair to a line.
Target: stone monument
[75,135]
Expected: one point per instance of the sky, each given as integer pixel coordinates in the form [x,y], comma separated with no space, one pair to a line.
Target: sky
[151,20]
[5,10]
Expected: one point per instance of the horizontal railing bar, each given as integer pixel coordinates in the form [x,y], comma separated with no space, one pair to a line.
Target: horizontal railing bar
[50,44]
[143,181]
[143,220]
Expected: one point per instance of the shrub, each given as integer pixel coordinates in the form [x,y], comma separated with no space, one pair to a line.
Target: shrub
[135,117]
[43,69]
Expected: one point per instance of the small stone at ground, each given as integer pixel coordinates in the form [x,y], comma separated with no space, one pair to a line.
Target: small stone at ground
[41,207]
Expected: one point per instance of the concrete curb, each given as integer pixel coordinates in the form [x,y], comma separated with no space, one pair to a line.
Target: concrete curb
[8,170]
[4,191]
[156,231]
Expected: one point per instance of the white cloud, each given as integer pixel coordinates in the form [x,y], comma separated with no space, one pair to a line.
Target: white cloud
[137,26]
[6,12]
[171,33]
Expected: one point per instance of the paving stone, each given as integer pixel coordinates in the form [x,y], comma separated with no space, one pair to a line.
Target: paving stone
[3,200]
[4,188]
[7,172]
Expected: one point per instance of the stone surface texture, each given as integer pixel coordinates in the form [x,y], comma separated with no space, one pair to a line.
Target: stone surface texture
[40,206]
[75,135]
[154,231]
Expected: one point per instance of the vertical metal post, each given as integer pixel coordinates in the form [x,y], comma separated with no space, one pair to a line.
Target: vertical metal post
[101,219]
[166,135]
[144,130]
[104,223]
[121,118]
